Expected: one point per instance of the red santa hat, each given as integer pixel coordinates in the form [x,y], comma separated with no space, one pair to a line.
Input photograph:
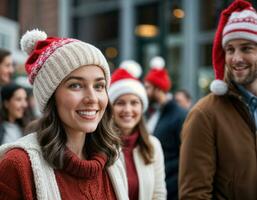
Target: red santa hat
[125,80]
[158,75]
[238,21]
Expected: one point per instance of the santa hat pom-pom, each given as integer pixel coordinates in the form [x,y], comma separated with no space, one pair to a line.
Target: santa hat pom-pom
[132,67]
[30,38]
[219,87]
[157,63]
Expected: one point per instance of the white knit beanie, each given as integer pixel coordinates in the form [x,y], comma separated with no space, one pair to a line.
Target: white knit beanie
[51,59]
[125,81]
[241,25]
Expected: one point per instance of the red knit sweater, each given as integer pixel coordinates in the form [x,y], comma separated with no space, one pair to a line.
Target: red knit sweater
[130,142]
[80,179]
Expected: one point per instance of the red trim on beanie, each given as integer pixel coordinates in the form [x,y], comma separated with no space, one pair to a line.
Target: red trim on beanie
[43,49]
[218,54]
[241,30]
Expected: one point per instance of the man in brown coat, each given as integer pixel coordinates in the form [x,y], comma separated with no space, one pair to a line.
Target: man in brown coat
[218,157]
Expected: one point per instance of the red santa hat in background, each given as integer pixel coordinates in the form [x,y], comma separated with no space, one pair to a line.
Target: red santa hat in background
[125,80]
[238,21]
[158,75]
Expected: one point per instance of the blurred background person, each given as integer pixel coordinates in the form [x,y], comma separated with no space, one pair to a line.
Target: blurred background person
[142,153]
[166,121]
[6,67]
[183,98]
[14,104]
[33,111]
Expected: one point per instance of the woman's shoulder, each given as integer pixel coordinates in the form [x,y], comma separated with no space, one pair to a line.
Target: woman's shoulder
[15,163]
[155,141]
[158,151]
[15,157]
[16,175]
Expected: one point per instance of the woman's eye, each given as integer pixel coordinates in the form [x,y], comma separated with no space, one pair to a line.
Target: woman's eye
[75,86]
[135,102]
[119,103]
[100,86]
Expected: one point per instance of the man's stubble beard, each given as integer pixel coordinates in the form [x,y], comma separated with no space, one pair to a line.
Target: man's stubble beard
[250,77]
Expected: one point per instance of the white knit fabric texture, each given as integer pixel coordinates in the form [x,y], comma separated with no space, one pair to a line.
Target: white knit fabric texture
[62,62]
[128,86]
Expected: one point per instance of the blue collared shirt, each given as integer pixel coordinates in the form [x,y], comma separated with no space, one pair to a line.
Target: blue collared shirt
[250,100]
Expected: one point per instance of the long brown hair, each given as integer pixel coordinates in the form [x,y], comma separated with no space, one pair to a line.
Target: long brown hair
[145,145]
[52,137]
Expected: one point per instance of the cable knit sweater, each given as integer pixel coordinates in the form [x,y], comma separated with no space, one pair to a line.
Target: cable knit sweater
[79,179]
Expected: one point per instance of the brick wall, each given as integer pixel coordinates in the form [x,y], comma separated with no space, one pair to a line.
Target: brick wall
[42,14]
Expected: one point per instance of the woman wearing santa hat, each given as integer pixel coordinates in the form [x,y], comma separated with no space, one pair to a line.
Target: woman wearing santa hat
[72,152]
[142,154]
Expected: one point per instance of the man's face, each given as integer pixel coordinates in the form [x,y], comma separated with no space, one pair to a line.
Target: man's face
[6,70]
[241,61]
[150,91]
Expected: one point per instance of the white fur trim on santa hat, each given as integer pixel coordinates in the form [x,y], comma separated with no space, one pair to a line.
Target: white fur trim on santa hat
[128,86]
[132,67]
[219,87]
[30,38]
[157,62]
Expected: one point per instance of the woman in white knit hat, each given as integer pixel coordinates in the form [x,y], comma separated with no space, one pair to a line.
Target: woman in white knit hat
[72,153]
[142,154]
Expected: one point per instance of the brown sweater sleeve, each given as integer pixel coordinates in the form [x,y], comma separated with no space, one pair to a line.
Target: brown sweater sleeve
[16,176]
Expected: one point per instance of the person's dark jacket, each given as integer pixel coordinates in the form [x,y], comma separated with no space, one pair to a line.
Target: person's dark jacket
[167,131]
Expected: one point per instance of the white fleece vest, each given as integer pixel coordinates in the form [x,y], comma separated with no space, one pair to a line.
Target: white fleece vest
[44,177]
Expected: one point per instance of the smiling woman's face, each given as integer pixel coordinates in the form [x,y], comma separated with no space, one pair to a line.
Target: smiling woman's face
[127,112]
[81,99]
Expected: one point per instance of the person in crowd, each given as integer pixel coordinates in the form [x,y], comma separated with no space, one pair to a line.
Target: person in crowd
[6,68]
[72,152]
[183,98]
[218,151]
[141,153]
[166,121]
[13,108]
[33,111]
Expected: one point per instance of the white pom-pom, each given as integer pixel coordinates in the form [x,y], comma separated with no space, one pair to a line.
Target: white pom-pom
[219,87]
[157,62]
[30,38]
[132,67]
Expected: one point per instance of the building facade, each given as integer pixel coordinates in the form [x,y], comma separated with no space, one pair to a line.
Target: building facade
[181,31]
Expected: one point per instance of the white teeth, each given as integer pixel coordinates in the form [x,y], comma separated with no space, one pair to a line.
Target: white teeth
[87,113]
[127,117]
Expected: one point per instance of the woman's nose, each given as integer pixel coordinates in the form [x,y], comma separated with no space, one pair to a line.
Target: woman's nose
[89,96]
